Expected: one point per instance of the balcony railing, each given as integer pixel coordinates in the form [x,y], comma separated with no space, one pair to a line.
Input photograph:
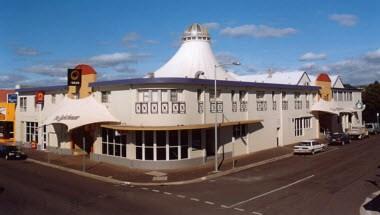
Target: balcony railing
[234,107]
[243,106]
[284,105]
[155,108]
[261,105]
[216,107]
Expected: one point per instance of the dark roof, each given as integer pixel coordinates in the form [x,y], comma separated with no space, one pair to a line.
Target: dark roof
[45,89]
[189,81]
[348,87]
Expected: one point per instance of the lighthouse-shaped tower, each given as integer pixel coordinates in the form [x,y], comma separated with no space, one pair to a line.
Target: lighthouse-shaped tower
[194,59]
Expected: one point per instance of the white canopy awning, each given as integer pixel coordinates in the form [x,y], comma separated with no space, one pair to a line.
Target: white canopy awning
[325,106]
[78,112]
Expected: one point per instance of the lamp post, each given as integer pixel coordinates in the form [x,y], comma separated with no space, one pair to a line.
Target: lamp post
[237,63]
[377,117]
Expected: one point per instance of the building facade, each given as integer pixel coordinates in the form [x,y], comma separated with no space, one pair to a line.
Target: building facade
[166,120]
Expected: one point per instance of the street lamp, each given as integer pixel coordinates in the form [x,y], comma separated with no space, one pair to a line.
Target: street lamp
[236,63]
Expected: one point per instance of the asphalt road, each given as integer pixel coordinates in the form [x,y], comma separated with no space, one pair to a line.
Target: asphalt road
[332,182]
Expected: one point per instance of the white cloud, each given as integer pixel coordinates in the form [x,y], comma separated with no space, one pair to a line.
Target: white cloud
[130,38]
[152,42]
[116,62]
[26,51]
[46,69]
[211,25]
[258,31]
[373,56]
[363,69]
[347,20]
[310,56]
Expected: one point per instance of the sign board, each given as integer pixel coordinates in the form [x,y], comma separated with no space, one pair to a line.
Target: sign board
[74,77]
[39,97]
[12,98]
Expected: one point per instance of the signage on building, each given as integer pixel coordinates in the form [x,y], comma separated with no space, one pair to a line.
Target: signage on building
[3,113]
[74,77]
[39,97]
[12,98]
[66,117]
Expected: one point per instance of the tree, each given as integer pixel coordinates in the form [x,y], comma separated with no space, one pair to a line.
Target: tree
[371,98]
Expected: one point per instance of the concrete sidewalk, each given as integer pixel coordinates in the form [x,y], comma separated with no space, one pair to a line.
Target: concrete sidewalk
[162,177]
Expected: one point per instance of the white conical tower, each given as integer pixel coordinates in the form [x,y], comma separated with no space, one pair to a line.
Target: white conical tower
[194,57]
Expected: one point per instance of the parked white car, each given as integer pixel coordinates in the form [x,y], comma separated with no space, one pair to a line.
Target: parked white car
[309,147]
[358,132]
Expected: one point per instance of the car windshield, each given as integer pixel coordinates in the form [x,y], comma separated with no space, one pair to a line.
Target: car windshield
[304,144]
[336,135]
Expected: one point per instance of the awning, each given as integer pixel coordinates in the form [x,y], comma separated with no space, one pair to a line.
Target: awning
[78,112]
[177,127]
[325,106]
[331,107]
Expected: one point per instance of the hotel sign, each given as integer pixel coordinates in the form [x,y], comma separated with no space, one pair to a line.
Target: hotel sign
[39,97]
[12,98]
[74,77]
[66,117]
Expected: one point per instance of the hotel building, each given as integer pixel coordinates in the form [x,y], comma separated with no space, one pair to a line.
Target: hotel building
[166,119]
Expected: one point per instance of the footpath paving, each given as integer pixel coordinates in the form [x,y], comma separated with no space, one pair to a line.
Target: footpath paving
[114,173]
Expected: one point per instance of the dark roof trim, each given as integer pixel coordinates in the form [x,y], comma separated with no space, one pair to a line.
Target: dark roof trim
[348,89]
[188,81]
[46,89]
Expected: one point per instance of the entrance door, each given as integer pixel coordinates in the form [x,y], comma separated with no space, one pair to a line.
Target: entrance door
[210,142]
[78,135]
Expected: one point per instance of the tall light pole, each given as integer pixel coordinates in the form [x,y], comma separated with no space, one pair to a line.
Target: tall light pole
[237,63]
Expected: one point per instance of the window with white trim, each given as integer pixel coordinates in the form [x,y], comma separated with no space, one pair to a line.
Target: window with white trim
[114,143]
[23,104]
[31,134]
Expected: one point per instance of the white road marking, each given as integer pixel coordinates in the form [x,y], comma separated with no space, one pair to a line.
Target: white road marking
[239,209]
[167,193]
[144,188]
[156,191]
[209,203]
[194,199]
[223,206]
[272,191]
[256,213]
[181,196]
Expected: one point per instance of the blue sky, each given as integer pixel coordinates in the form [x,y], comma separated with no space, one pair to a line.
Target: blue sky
[39,40]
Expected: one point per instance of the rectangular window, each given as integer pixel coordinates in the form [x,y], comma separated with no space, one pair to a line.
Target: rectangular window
[53,98]
[298,105]
[154,95]
[197,139]
[114,143]
[31,134]
[146,96]
[284,105]
[105,95]
[23,104]
[164,95]
[174,96]
[261,105]
[161,145]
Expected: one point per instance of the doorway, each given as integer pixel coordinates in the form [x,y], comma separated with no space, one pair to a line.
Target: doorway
[210,142]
